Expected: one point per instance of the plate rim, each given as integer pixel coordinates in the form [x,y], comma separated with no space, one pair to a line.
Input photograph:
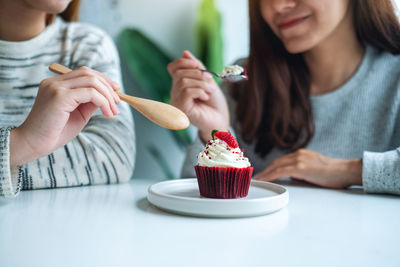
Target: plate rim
[191,180]
[158,200]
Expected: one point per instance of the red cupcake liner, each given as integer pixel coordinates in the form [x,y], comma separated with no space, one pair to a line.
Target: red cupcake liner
[223,182]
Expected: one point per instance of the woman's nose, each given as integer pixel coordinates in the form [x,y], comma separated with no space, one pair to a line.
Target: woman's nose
[283,5]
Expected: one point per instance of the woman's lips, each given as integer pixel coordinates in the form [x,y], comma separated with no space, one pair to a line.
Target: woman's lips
[286,24]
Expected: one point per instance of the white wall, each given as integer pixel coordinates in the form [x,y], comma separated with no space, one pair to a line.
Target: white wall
[170,22]
[397,5]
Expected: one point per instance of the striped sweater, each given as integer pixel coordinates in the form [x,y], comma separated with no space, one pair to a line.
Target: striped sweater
[103,152]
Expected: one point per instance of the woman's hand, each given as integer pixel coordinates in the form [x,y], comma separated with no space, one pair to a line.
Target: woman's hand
[63,106]
[198,95]
[315,168]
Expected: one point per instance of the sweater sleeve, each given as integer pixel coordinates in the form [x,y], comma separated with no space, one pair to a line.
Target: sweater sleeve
[381,172]
[10,178]
[102,153]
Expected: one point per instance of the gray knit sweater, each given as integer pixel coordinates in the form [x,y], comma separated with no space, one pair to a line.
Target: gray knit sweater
[105,149]
[361,119]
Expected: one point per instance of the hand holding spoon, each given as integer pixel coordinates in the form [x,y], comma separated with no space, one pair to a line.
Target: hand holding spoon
[162,114]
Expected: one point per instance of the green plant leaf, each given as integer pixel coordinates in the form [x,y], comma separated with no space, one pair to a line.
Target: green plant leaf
[147,63]
[208,36]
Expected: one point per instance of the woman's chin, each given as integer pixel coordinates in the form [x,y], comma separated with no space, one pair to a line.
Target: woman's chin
[297,46]
[50,6]
[296,49]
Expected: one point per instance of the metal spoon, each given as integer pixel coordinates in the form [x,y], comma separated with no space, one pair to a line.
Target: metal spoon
[164,115]
[233,78]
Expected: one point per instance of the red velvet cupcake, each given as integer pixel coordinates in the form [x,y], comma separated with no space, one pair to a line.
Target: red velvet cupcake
[222,170]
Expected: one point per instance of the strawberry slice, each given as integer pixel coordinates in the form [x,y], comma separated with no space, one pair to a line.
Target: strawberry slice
[226,137]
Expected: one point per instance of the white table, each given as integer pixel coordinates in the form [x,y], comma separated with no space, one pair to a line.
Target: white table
[114,225]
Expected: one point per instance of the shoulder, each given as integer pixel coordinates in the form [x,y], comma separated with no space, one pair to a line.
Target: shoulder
[84,37]
[81,31]
[383,72]
[383,78]
[384,62]
[87,45]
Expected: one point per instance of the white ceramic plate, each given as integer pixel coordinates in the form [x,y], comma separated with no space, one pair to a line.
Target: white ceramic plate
[183,197]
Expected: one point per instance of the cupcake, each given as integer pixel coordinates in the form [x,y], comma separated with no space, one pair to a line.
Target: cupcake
[222,170]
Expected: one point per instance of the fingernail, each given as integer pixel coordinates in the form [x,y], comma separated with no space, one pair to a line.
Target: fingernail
[191,63]
[211,89]
[189,53]
[208,76]
[116,86]
[115,109]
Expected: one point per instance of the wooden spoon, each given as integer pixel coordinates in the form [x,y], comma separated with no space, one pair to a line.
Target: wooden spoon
[165,115]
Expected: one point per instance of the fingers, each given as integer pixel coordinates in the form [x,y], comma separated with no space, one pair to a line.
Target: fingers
[188,55]
[187,90]
[189,73]
[185,99]
[89,95]
[87,78]
[86,110]
[87,72]
[192,74]
[299,164]
[110,86]
[189,83]
[310,166]
[281,167]
[193,83]
[280,162]
[192,94]
[188,86]
[182,63]
[187,61]
[186,74]
[95,83]
[280,172]
[113,86]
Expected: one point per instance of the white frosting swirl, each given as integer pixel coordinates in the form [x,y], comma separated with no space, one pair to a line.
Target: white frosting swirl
[232,70]
[218,154]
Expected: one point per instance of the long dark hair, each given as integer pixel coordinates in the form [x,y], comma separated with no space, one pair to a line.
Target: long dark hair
[71,13]
[273,106]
